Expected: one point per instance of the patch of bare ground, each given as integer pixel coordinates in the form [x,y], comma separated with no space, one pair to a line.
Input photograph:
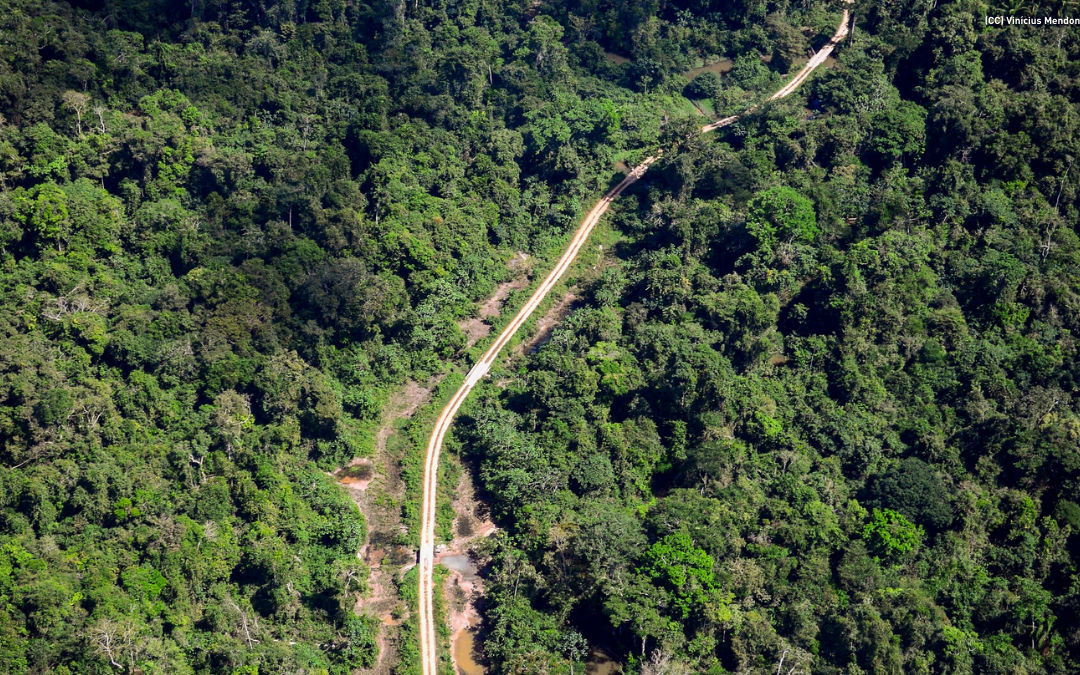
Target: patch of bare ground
[478,327]
[463,588]
[382,601]
[777,360]
[546,324]
[402,405]
[375,485]
[475,330]
[472,520]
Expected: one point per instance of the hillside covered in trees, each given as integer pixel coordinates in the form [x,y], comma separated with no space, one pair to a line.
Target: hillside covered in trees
[815,412]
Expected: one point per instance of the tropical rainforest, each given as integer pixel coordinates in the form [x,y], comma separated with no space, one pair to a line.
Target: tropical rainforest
[814,410]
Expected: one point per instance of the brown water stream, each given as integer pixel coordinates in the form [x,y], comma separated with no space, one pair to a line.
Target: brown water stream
[601,663]
[721,66]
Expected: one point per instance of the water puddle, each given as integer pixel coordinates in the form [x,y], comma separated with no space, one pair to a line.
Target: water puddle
[617,59]
[465,653]
[459,563]
[357,475]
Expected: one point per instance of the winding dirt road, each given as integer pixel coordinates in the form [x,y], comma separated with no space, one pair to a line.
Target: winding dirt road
[442,424]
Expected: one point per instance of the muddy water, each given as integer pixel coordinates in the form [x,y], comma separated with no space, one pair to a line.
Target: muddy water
[358,474]
[829,62]
[465,653]
[463,642]
[601,663]
[465,657]
[459,563]
[721,66]
[617,59]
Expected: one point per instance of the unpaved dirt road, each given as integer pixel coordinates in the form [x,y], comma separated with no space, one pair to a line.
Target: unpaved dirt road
[428,650]
[803,74]
[446,418]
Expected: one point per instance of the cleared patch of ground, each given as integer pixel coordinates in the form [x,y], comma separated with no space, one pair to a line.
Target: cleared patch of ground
[376,487]
[546,323]
[478,327]
[463,588]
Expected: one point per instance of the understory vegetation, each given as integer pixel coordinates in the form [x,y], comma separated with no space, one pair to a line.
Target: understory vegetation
[814,413]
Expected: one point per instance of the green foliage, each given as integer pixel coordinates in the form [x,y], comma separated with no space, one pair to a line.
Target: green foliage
[812,310]
[781,214]
[229,230]
[706,85]
[1068,513]
[750,74]
[54,407]
[913,488]
[788,43]
[359,648]
[685,570]
[45,214]
[891,534]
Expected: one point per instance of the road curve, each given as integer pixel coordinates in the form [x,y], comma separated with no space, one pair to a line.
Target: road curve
[446,417]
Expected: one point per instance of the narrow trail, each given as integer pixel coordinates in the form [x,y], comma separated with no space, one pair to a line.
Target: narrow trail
[428,649]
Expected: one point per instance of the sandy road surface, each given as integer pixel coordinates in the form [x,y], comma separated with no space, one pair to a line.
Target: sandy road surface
[803,74]
[446,418]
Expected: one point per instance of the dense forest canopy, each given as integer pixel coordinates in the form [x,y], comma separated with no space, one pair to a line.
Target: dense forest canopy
[815,413]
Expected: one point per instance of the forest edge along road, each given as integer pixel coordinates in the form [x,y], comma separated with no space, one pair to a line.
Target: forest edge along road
[445,420]
[443,423]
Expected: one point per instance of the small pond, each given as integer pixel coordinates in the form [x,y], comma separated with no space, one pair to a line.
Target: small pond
[465,653]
